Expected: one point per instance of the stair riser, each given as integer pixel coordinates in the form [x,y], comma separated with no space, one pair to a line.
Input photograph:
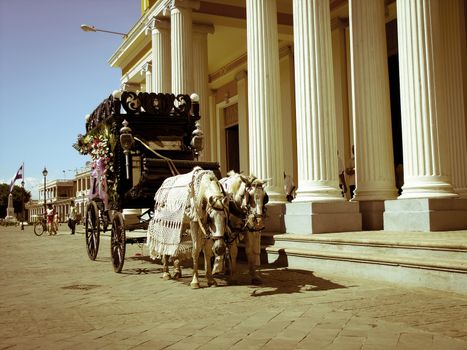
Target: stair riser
[418,252]
[405,276]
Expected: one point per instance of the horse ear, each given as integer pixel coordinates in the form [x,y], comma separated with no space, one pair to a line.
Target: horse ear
[244,178]
[225,201]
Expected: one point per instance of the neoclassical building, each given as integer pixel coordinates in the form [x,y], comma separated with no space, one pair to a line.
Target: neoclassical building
[56,192]
[289,86]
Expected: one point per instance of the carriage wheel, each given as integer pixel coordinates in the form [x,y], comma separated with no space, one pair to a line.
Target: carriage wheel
[92,230]
[117,242]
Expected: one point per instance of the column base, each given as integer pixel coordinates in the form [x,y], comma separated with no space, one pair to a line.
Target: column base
[425,214]
[372,214]
[322,217]
[274,221]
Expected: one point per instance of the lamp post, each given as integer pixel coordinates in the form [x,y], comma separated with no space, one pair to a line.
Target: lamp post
[44,173]
[88,28]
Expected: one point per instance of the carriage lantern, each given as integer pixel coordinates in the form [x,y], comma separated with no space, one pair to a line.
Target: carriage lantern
[197,140]
[195,104]
[126,141]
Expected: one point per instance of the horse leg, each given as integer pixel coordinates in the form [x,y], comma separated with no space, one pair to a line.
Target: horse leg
[177,269]
[207,262]
[253,248]
[165,268]
[196,239]
[218,265]
[233,276]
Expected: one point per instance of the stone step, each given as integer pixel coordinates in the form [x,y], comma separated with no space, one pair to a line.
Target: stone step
[378,248]
[438,265]
[450,265]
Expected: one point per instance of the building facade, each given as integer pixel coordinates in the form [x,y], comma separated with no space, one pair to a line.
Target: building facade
[289,86]
[59,193]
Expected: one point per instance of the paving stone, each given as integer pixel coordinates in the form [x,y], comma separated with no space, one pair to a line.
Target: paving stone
[53,297]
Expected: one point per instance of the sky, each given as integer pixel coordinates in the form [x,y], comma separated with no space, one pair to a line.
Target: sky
[51,75]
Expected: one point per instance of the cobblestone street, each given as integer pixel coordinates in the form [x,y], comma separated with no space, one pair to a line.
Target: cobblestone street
[54,297]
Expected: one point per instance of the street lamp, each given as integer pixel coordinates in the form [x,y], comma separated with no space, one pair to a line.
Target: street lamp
[44,173]
[88,28]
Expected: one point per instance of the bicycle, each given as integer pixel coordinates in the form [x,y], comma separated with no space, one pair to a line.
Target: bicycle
[40,226]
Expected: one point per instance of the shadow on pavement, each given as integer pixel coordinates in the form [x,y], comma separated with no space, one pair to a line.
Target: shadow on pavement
[288,281]
[275,279]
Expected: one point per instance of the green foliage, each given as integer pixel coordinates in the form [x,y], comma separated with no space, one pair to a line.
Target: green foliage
[18,194]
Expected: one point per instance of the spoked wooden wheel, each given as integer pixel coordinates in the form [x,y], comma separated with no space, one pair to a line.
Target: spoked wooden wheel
[92,230]
[117,242]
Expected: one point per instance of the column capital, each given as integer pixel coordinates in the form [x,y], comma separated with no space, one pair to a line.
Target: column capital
[156,24]
[146,68]
[184,4]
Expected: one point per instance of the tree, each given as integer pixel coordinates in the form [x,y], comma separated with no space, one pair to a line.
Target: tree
[19,193]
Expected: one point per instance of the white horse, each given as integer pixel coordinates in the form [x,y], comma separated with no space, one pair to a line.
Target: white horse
[246,220]
[200,227]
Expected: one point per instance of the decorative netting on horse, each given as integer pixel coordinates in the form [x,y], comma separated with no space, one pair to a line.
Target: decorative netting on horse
[168,234]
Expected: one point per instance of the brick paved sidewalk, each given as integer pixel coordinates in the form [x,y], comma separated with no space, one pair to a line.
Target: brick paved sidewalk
[53,297]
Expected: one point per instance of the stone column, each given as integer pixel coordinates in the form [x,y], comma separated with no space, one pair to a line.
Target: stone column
[319,206]
[182,45]
[161,64]
[264,108]
[371,110]
[200,64]
[428,201]
[424,121]
[147,72]
[315,105]
[452,40]
[242,91]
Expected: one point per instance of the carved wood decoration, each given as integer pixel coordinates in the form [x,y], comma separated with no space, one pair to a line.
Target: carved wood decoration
[144,104]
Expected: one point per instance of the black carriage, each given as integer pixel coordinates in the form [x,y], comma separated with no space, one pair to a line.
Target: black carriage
[135,141]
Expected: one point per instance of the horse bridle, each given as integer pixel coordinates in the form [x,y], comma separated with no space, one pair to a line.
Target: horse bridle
[210,208]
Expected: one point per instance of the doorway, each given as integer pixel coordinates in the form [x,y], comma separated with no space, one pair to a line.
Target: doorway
[232,148]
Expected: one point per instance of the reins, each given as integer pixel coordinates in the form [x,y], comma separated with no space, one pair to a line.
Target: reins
[173,169]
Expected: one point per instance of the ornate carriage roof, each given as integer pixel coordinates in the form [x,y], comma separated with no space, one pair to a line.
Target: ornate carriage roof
[143,103]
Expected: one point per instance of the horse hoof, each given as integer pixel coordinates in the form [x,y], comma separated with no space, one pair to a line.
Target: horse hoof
[166,276]
[212,284]
[177,275]
[194,285]
[256,281]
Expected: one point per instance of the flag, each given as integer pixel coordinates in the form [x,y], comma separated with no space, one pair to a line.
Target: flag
[19,175]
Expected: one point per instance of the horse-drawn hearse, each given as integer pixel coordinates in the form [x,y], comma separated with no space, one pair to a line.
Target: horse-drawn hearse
[144,149]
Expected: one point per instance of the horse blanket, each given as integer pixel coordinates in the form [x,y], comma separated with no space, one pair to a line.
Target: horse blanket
[166,230]
[169,229]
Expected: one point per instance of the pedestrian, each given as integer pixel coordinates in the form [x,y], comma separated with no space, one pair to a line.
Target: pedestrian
[56,220]
[72,218]
[350,171]
[341,170]
[50,219]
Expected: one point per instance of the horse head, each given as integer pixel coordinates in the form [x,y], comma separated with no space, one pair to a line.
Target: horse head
[217,213]
[257,199]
